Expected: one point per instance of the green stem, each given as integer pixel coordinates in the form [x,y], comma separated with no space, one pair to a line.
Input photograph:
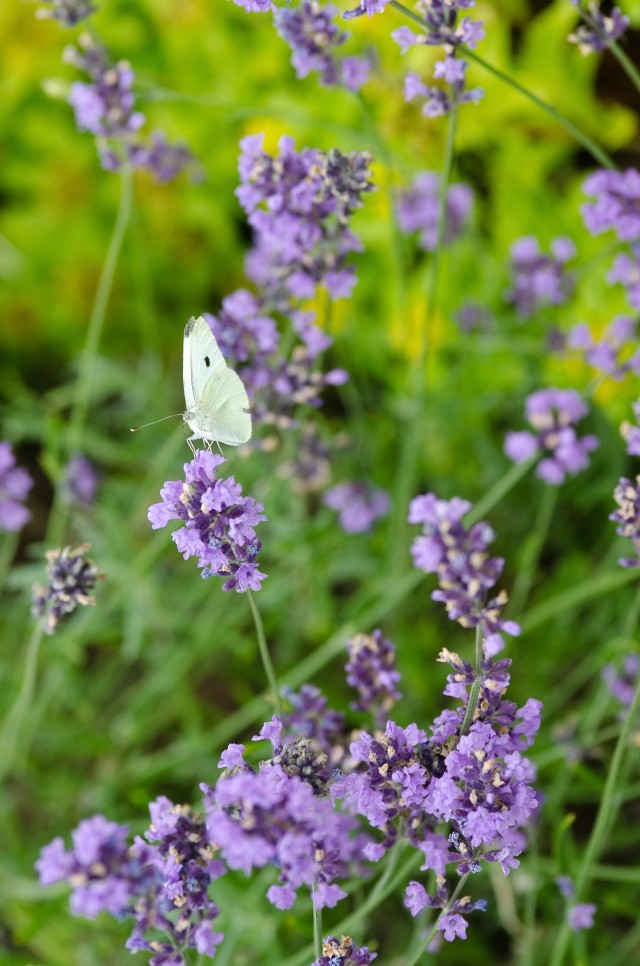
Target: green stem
[373,900]
[424,943]
[627,65]
[7,553]
[264,653]
[532,549]
[498,491]
[317,925]
[472,703]
[434,267]
[594,150]
[606,813]
[414,434]
[10,735]
[84,383]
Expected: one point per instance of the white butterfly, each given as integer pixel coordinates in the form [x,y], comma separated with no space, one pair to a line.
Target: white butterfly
[215,396]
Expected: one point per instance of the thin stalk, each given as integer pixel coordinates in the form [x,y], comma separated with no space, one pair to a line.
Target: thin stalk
[317,925]
[10,734]
[7,553]
[82,393]
[498,491]
[424,943]
[594,150]
[627,65]
[346,925]
[434,266]
[609,804]
[264,653]
[415,429]
[474,693]
[533,548]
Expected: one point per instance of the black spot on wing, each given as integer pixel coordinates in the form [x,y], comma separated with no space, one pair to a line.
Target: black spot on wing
[207,361]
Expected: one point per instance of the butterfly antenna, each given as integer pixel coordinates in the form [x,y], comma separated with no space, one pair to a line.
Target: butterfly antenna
[135,429]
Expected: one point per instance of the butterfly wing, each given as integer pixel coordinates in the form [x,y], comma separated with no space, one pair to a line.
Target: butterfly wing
[217,405]
[223,409]
[201,359]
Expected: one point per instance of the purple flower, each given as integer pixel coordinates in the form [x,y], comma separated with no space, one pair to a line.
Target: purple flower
[539,279]
[70,580]
[148,881]
[598,31]
[416,898]
[311,718]
[453,926]
[623,683]
[626,269]
[627,516]
[616,352]
[630,433]
[581,916]
[15,484]
[343,952]
[218,522]
[105,106]
[358,504]
[299,205]
[66,12]
[617,203]
[255,6]
[460,558]
[437,101]
[371,669]
[565,885]
[275,818]
[81,479]
[552,414]
[313,37]
[419,209]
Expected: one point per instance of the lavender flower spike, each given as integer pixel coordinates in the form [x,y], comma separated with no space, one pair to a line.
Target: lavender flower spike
[358,504]
[68,13]
[371,670]
[218,522]
[418,209]
[15,483]
[627,516]
[343,952]
[71,578]
[598,30]
[552,413]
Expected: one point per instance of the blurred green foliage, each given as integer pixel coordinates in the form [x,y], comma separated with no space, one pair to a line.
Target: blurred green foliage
[138,696]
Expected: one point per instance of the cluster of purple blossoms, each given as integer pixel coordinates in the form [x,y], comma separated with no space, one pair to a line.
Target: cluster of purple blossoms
[278,816]
[598,29]
[359,505]
[627,516]
[80,480]
[313,37]
[631,433]
[161,883]
[70,580]
[539,279]
[371,669]
[106,108]
[418,209]
[452,924]
[617,203]
[552,413]
[616,353]
[69,13]
[15,484]
[476,785]
[310,719]
[579,914]
[460,557]
[622,682]
[626,270]
[442,29]
[218,522]
[299,204]
[343,952]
